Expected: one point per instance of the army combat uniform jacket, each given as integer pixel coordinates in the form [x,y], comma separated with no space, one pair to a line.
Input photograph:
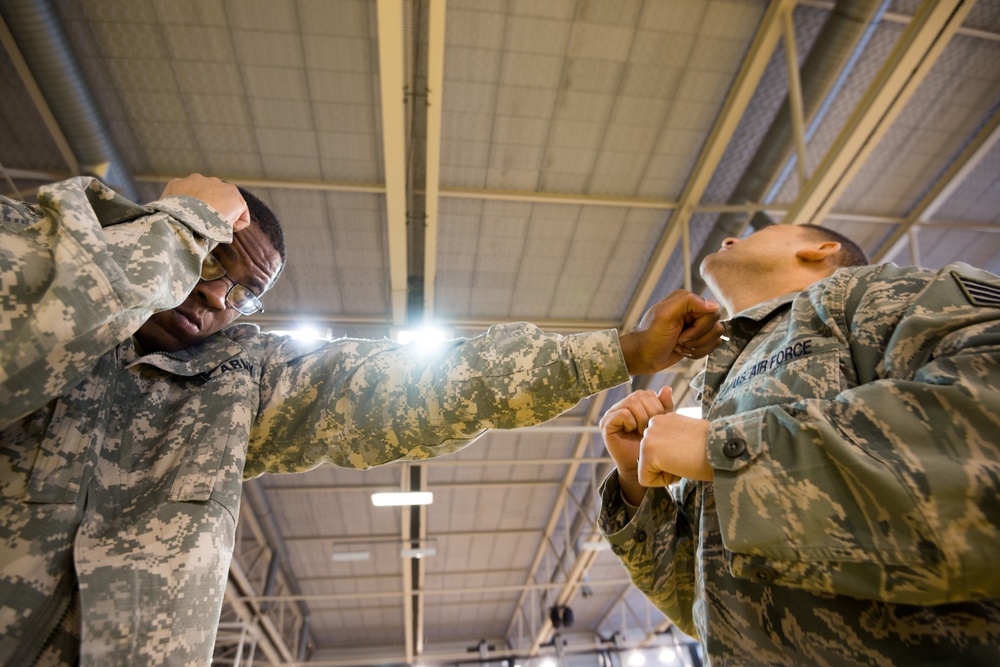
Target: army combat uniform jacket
[854,518]
[127,486]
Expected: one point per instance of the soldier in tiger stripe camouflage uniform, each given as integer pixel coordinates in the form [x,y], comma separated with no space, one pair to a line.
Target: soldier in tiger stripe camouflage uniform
[839,504]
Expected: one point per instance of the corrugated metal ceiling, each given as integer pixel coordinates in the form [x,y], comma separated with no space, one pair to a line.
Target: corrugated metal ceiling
[570,132]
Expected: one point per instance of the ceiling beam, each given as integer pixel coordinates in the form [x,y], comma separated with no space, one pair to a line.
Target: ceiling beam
[557,198]
[393,103]
[384,577]
[289,321]
[753,67]
[397,539]
[796,105]
[365,488]
[921,44]
[276,652]
[960,226]
[322,186]
[894,17]
[572,460]
[435,97]
[582,444]
[419,534]
[966,162]
[574,580]
[38,99]
[445,657]
[406,520]
[431,592]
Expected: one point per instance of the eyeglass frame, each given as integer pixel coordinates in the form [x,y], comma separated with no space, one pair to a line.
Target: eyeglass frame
[254,300]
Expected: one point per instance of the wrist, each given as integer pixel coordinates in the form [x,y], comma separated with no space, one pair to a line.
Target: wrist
[631,351]
[628,474]
[632,492]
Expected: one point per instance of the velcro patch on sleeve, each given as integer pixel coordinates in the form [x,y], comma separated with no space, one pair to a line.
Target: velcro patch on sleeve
[978,292]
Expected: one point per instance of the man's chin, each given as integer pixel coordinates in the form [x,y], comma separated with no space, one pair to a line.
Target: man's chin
[705,268]
[162,333]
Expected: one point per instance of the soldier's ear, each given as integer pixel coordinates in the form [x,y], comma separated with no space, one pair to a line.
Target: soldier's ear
[818,252]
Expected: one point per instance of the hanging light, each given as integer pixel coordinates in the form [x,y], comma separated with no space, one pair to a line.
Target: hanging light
[399,498]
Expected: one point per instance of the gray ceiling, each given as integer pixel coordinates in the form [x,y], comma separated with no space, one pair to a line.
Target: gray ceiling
[478,161]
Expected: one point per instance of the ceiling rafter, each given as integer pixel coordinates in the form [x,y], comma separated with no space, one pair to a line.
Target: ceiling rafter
[582,445]
[900,76]
[434,592]
[435,97]
[951,180]
[410,636]
[758,56]
[38,99]
[393,104]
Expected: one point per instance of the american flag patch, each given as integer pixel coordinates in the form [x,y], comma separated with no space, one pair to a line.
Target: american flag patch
[978,292]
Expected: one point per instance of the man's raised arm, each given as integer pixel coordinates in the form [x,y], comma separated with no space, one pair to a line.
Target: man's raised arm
[84,268]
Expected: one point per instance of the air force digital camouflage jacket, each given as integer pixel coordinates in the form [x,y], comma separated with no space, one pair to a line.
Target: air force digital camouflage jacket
[80,272]
[128,485]
[855,514]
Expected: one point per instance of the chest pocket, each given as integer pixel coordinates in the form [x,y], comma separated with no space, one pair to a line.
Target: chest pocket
[212,442]
[770,379]
[64,434]
[198,445]
[199,413]
[62,448]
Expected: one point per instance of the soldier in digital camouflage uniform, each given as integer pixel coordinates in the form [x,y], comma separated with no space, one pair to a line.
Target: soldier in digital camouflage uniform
[120,497]
[840,503]
[126,261]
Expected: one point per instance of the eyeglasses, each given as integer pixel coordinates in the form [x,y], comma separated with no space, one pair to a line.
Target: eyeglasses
[238,296]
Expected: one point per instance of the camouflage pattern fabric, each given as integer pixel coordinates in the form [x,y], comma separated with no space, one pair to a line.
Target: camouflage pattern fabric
[855,514]
[80,272]
[129,484]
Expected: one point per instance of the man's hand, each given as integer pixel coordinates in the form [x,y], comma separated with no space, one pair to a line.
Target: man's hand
[222,196]
[681,325]
[674,446]
[622,428]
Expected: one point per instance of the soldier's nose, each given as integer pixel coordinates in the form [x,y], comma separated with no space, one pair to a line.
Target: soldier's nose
[213,293]
[729,241]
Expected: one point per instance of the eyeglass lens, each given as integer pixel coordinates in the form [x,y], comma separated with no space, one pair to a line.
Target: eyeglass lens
[237,296]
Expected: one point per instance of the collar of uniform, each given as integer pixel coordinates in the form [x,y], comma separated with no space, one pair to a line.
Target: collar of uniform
[763,310]
[739,330]
[201,358]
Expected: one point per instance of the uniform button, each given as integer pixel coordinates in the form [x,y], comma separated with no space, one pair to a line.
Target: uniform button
[640,536]
[762,574]
[734,448]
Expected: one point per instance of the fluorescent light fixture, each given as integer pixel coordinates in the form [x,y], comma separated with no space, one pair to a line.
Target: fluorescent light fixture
[426,336]
[398,498]
[595,545]
[417,553]
[302,333]
[423,341]
[636,659]
[548,662]
[690,412]
[346,556]
[667,655]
